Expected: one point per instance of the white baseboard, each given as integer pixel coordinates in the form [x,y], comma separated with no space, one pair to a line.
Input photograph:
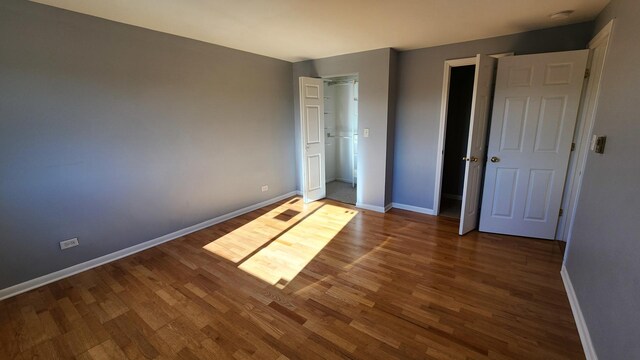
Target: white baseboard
[61,274]
[413,208]
[585,338]
[388,207]
[379,209]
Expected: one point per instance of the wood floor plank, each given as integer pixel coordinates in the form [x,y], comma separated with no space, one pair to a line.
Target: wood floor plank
[296,281]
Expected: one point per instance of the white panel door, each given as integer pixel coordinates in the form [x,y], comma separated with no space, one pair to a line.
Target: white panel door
[480,107]
[312,126]
[534,115]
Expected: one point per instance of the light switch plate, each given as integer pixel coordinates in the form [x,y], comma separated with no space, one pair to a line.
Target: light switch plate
[599,146]
[366,133]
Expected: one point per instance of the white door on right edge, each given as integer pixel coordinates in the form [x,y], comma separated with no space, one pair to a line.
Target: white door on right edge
[534,115]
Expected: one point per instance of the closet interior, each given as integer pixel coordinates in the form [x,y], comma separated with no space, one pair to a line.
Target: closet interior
[456,139]
[341,142]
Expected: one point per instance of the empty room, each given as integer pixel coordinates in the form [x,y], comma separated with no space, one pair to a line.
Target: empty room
[289,179]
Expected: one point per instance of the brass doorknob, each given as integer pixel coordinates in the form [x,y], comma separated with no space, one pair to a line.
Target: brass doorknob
[474,159]
[495,159]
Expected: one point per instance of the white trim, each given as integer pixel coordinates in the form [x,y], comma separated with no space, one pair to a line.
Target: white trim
[346,75]
[603,34]
[448,64]
[388,207]
[379,209]
[584,128]
[417,209]
[460,62]
[72,270]
[583,331]
[501,55]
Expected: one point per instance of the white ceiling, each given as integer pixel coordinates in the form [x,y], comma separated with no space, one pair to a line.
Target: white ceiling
[295,30]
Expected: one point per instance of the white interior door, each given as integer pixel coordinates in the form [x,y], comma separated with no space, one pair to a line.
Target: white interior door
[480,105]
[534,114]
[312,126]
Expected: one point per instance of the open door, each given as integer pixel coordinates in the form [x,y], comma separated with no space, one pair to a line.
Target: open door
[534,114]
[475,157]
[312,139]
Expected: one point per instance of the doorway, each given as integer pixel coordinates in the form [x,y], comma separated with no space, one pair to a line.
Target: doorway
[456,140]
[463,140]
[341,137]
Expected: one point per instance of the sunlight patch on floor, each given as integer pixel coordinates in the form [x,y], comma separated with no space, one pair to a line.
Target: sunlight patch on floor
[286,256]
[248,238]
[276,246]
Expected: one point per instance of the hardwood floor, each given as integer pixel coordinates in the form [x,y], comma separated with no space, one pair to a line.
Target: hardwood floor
[398,285]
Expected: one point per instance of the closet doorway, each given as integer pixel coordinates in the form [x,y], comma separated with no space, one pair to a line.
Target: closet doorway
[466,102]
[341,137]
[456,141]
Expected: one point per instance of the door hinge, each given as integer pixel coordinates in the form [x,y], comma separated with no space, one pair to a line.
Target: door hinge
[587,73]
[573,146]
[560,212]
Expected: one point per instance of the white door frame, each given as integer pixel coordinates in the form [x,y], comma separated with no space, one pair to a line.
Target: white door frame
[588,108]
[442,131]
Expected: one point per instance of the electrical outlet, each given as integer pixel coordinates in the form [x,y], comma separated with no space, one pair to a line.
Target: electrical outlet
[265,188]
[366,133]
[69,243]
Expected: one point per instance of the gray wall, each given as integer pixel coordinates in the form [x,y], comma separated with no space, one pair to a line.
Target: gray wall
[373,69]
[420,92]
[118,135]
[603,259]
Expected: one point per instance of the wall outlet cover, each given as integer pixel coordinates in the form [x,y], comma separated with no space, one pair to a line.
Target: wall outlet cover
[265,188]
[69,243]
